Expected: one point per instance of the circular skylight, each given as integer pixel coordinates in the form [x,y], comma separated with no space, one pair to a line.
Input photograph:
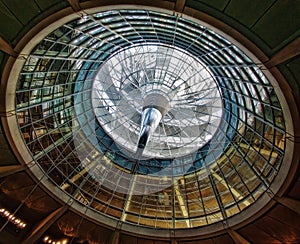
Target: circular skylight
[150,119]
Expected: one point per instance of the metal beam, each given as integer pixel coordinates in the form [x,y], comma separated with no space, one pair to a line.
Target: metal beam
[174,242]
[54,144]
[78,175]
[179,6]
[7,48]
[236,237]
[115,237]
[231,188]
[75,5]
[288,202]
[40,229]
[263,151]
[289,51]
[11,169]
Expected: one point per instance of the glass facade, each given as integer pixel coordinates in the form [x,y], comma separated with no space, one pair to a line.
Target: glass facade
[216,151]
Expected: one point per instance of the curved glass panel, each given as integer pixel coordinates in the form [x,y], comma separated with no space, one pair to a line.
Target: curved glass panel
[216,150]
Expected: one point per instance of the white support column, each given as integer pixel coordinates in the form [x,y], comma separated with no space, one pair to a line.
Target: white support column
[182,202]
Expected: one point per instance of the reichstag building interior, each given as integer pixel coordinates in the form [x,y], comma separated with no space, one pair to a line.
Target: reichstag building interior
[149,122]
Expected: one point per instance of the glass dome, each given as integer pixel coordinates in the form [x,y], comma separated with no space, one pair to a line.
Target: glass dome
[181,85]
[81,103]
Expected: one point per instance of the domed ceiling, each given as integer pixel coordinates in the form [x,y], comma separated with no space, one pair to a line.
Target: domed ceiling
[141,118]
[86,90]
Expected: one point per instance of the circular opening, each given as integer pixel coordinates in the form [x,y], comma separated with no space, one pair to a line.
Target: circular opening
[81,97]
[164,77]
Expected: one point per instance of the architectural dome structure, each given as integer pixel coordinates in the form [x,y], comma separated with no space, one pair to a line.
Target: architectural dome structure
[156,122]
